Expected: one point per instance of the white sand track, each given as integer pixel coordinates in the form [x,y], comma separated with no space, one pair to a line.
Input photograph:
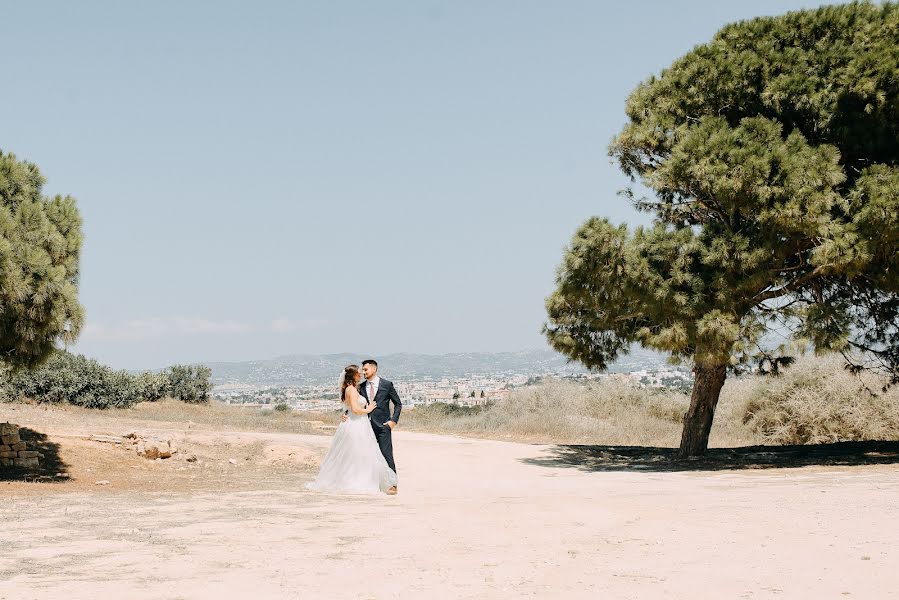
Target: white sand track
[472,520]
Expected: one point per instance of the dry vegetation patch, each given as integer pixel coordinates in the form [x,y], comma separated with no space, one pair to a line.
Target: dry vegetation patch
[819,402]
[815,401]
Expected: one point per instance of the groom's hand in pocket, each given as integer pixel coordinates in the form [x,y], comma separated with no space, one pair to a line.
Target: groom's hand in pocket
[390,424]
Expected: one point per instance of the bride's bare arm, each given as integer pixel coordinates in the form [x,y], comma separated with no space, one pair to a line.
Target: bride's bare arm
[352,400]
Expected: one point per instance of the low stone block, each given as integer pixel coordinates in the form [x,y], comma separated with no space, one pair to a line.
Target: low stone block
[25,462]
[29,454]
[9,454]
[5,448]
[108,439]
[19,446]
[153,449]
[10,439]
[8,428]
[148,451]
[6,462]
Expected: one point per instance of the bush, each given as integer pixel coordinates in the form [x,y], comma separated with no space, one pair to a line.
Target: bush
[151,386]
[818,401]
[73,379]
[189,383]
[76,379]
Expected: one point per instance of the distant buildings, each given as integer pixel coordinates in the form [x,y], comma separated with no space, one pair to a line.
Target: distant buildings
[475,390]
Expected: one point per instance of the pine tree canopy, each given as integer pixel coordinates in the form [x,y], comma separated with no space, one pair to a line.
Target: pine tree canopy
[40,243]
[772,157]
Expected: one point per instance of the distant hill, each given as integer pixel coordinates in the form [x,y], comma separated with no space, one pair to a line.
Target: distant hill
[309,369]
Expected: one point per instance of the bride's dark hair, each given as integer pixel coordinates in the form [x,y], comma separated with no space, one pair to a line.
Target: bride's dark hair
[349,378]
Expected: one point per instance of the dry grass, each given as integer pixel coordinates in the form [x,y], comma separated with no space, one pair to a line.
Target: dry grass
[218,415]
[815,401]
[214,415]
[818,401]
[562,412]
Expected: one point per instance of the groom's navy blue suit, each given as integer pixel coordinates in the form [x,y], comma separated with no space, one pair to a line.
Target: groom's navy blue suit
[385,394]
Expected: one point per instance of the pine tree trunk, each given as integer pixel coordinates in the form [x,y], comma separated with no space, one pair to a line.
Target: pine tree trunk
[707,383]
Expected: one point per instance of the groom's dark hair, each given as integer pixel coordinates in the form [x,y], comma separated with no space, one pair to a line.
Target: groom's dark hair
[370,361]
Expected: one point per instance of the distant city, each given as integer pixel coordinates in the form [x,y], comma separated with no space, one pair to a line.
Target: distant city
[309,382]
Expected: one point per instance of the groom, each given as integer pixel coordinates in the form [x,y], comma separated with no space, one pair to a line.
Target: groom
[382,393]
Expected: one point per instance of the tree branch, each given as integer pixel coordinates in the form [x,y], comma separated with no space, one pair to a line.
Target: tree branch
[788,287]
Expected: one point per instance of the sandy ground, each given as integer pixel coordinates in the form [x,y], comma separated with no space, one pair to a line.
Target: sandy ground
[474,519]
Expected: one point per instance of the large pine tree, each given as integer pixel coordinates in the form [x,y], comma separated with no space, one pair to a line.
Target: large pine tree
[40,244]
[772,156]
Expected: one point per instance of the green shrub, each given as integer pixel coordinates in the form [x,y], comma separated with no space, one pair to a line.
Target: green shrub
[73,379]
[189,383]
[76,379]
[150,387]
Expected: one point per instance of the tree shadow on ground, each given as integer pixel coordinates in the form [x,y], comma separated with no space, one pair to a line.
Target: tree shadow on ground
[50,465]
[648,458]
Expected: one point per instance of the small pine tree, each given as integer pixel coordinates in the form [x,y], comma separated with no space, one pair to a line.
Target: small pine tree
[40,247]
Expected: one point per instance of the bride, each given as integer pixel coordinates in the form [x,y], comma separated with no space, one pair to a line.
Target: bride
[354,463]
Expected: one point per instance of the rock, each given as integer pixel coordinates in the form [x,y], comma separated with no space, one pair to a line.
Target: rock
[8,428]
[102,482]
[10,439]
[134,435]
[9,454]
[153,449]
[107,439]
[5,448]
[191,458]
[29,454]
[25,462]
[19,446]
[233,461]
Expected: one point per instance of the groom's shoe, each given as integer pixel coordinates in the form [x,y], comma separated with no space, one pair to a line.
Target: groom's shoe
[391,491]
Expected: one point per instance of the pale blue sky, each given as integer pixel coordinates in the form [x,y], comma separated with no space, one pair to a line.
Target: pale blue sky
[259,179]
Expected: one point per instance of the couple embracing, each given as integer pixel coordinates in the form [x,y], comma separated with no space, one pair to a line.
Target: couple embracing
[360,459]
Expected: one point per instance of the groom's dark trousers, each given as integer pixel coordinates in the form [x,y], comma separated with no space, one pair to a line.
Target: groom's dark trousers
[383,397]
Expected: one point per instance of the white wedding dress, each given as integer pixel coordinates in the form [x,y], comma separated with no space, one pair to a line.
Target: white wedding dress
[354,463]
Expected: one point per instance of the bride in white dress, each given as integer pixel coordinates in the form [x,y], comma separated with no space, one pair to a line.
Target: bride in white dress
[354,463]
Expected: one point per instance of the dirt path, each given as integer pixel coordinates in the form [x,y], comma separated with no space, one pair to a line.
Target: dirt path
[473,519]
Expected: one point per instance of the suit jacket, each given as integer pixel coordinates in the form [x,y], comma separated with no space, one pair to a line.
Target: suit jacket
[383,397]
